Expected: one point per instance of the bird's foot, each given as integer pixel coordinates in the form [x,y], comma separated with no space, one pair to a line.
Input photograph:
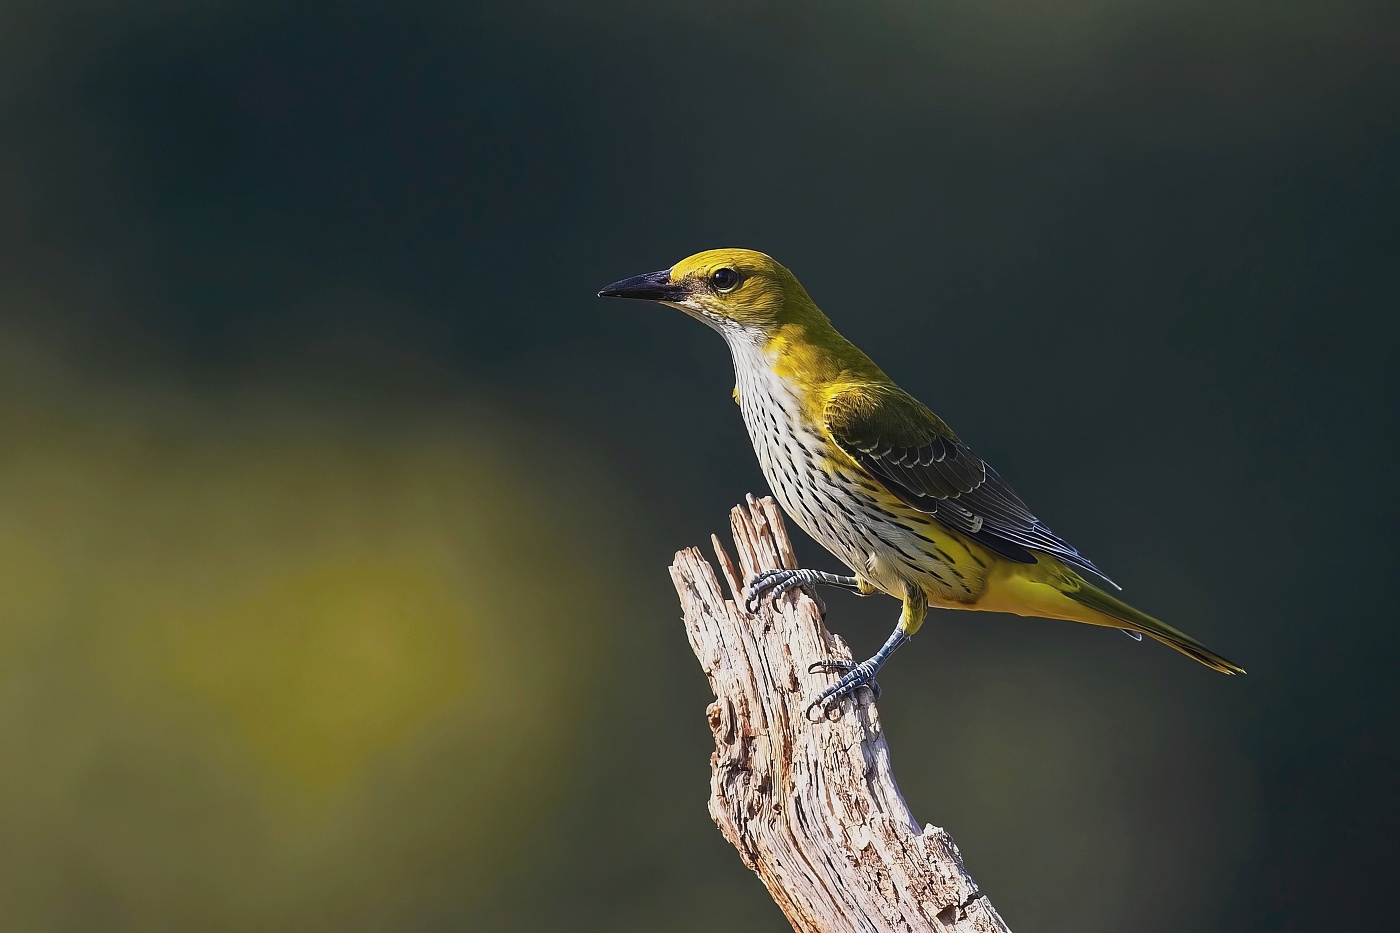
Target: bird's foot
[778,582]
[854,676]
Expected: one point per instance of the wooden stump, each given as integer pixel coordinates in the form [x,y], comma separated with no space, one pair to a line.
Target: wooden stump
[812,807]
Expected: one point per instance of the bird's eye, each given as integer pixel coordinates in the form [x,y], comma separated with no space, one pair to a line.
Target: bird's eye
[724,279]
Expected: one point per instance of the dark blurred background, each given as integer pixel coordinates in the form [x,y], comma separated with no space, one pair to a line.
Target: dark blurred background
[335,509]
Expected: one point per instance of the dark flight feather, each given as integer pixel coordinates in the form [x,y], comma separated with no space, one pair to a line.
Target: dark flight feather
[919,459]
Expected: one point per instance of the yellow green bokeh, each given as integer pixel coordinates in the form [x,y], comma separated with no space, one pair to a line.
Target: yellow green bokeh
[265,667]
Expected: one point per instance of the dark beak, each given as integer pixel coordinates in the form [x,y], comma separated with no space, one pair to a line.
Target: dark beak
[654,286]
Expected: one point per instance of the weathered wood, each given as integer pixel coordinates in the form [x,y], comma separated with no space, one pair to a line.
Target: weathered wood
[812,807]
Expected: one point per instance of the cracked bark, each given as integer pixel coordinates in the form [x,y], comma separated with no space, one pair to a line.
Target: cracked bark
[811,807]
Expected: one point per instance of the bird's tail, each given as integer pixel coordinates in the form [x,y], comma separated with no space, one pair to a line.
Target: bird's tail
[1096,599]
[1059,593]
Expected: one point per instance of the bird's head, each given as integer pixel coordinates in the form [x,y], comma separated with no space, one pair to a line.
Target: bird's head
[732,290]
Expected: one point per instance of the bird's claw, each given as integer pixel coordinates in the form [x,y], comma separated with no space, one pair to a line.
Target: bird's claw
[854,676]
[778,582]
[760,584]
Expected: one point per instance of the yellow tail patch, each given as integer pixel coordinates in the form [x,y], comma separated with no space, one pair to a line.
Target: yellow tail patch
[1063,594]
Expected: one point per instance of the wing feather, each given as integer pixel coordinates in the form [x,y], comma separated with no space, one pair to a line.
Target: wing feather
[919,459]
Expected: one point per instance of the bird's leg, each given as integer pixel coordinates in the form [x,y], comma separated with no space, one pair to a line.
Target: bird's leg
[857,675]
[779,582]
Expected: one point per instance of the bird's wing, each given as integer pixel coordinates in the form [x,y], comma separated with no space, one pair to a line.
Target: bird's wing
[919,459]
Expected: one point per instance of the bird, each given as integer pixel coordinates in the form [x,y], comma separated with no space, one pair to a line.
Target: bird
[875,477]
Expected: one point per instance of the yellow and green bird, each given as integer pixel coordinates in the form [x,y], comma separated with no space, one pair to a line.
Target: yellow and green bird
[874,476]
